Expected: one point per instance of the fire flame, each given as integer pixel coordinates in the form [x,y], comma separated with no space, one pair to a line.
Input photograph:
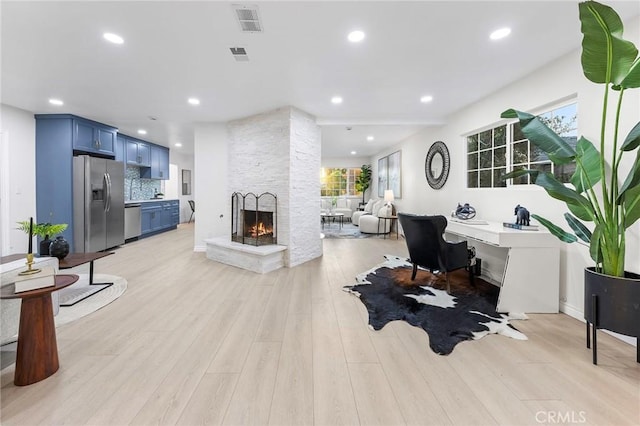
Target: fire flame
[259,229]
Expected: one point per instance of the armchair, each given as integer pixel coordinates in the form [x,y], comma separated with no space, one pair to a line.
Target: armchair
[428,249]
[371,224]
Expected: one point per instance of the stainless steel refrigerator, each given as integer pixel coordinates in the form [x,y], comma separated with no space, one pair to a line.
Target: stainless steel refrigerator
[98,203]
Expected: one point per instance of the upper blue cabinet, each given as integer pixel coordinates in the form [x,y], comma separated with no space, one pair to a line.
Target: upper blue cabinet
[159,164]
[138,153]
[92,137]
[86,136]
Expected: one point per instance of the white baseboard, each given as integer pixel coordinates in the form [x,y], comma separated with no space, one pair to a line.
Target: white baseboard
[200,248]
[572,311]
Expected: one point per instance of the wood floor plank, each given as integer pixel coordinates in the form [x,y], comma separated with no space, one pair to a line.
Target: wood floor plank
[416,398]
[209,401]
[292,402]
[333,399]
[171,397]
[377,405]
[231,356]
[455,397]
[251,400]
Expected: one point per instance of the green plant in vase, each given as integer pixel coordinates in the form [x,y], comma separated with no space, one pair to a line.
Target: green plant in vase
[44,231]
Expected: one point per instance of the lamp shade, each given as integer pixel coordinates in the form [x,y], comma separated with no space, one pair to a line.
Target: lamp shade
[388,196]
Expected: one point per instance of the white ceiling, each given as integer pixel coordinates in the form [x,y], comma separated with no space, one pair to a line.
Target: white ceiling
[174,50]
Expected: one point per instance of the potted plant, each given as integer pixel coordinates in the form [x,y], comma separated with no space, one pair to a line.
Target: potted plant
[364,179]
[44,231]
[598,192]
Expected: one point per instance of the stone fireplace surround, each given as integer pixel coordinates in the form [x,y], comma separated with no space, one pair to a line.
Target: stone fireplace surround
[280,153]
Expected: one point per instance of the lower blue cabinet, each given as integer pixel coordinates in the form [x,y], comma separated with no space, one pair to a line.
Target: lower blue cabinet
[159,216]
[150,217]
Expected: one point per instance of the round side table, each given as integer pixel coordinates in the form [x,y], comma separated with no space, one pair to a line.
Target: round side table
[37,356]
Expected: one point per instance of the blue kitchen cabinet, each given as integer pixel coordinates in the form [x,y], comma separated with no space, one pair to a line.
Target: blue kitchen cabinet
[175,213]
[138,152]
[159,164]
[151,218]
[166,215]
[93,137]
[120,149]
[58,138]
[159,216]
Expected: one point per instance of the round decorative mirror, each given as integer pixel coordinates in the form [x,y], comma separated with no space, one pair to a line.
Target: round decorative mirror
[436,165]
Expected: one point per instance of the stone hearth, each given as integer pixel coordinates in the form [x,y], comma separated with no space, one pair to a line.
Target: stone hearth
[260,259]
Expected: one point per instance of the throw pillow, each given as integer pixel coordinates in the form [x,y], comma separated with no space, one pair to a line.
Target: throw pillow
[377,206]
[385,211]
[369,207]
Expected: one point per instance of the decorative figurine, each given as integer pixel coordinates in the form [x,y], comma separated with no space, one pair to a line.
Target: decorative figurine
[522,215]
[465,212]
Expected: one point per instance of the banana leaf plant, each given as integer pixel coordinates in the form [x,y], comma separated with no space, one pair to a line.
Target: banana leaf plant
[597,193]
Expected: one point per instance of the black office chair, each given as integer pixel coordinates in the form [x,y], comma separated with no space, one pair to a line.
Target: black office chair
[428,249]
[192,204]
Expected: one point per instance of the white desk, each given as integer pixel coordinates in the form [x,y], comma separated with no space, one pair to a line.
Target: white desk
[528,263]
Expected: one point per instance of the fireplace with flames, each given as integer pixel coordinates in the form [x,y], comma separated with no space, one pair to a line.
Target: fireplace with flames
[253,218]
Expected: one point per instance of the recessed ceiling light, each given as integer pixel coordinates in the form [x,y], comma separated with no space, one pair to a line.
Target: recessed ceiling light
[178,144]
[56,102]
[113,38]
[336,100]
[353,153]
[501,33]
[142,132]
[194,101]
[356,36]
[426,99]
[369,138]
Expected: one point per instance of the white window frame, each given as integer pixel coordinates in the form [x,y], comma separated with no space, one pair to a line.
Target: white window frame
[509,143]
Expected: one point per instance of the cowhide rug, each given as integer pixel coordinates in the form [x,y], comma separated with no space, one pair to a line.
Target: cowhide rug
[466,314]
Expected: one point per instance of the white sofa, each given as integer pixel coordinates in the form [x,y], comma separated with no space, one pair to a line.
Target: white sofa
[372,224]
[343,205]
[10,308]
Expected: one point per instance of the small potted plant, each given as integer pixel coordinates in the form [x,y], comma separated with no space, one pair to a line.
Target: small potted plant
[44,231]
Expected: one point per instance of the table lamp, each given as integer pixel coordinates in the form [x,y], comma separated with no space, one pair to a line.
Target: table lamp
[388,196]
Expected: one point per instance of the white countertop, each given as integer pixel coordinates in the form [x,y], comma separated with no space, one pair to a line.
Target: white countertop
[149,201]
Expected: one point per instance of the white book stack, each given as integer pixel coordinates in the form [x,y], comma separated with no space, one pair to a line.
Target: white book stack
[44,278]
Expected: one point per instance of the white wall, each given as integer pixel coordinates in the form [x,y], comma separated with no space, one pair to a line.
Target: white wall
[17,129]
[555,81]
[182,161]
[210,183]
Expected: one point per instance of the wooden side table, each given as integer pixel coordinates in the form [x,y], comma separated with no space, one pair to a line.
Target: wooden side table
[37,356]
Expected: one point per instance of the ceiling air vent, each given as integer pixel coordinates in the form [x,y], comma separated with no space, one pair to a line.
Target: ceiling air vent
[239,54]
[248,18]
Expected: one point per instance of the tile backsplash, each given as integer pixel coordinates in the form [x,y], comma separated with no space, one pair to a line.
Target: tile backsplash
[137,188]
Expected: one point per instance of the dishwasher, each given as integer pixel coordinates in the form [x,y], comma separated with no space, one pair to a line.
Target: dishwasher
[132,222]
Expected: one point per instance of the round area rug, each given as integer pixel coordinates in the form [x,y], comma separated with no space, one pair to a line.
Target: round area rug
[85,299]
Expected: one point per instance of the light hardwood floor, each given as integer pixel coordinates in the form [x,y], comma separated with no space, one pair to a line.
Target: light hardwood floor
[197,342]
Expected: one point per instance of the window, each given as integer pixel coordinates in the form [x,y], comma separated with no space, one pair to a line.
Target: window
[339,181]
[494,152]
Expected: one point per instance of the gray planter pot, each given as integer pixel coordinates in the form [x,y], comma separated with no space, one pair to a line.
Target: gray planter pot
[611,303]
